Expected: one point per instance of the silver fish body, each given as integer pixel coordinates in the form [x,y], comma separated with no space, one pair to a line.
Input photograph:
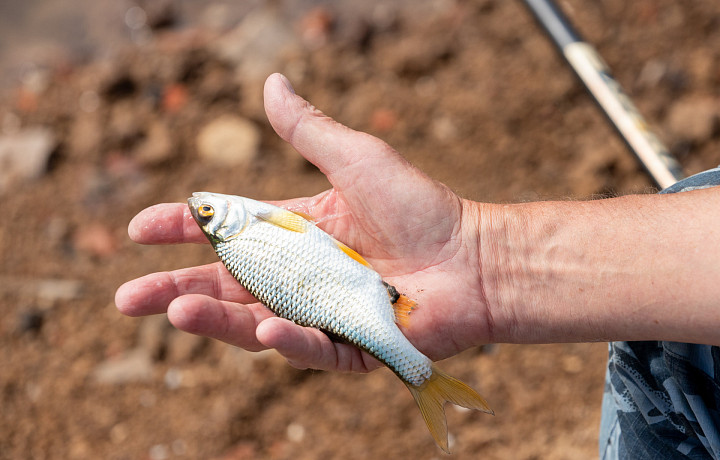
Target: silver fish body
[308,279]
[303,274]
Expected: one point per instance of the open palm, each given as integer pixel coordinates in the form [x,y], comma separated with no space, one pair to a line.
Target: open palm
[415,232]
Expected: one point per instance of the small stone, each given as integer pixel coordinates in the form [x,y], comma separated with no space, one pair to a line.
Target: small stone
[125,123]
[229,141]
[158,145]
[444,129]
[95,239]
[173,378]
[295,432]
[694,118]
[52,290]
[152,334]
[179,447]
[135,366]
[10,123]
[572,364]
[159,452]
[183,347]
[383,120]
[118,433]
[89,101]
[315,27]
[25,155]
[257,44]
[30,321]
[174,97]
[86,135]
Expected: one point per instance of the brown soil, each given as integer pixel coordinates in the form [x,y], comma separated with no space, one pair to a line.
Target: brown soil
[470,91]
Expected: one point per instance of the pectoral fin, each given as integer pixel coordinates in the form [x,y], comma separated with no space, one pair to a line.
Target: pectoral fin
[352,254]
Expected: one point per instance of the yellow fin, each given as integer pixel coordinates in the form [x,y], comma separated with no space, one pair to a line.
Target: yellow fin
[352,254]
[286,219]
[402,307]
[432,395]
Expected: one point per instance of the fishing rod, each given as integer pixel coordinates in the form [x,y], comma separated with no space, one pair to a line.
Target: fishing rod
[607,92]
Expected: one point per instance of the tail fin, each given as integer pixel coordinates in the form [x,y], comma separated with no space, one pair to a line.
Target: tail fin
[432,395]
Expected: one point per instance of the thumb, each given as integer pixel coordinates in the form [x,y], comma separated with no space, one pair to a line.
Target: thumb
[341,153]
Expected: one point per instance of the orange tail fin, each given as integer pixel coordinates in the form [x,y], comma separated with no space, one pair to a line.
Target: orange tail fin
[432,395]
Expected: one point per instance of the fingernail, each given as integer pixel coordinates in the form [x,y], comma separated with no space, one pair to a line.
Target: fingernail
[287,83]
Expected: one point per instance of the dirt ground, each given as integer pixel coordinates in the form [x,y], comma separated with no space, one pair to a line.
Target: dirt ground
[469,91]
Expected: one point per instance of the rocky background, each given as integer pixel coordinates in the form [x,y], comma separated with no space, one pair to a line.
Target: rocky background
[108,107]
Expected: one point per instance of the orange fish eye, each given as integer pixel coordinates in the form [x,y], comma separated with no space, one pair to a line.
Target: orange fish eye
[206,210]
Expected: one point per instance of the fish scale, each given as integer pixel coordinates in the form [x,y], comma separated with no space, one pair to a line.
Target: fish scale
[303,274]
[304,280]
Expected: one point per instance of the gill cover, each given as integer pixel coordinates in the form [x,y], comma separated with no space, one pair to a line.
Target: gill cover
[219,216]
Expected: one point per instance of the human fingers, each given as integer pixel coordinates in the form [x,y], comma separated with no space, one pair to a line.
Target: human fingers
[166,223]
[151,294]
[390,203]
[341,153]
[306,347]
[230,322]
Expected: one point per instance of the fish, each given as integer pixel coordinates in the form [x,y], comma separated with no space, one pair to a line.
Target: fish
[305,275]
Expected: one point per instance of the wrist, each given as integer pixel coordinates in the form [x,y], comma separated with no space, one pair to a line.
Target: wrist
[628,268]
[535,269]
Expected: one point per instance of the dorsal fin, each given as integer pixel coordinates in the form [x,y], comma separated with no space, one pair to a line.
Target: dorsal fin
[304,215]
[286,219]
[352,253]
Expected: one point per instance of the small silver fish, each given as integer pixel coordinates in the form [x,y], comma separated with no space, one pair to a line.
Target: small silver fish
[305,275]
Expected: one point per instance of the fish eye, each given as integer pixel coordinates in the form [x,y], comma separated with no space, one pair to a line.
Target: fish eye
[206,211]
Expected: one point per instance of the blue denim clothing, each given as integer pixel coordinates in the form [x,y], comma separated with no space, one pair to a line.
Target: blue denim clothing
[662,399]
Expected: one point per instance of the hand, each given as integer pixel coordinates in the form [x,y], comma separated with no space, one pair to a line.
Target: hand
[419,235]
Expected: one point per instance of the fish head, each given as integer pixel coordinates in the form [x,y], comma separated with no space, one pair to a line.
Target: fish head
[221,217]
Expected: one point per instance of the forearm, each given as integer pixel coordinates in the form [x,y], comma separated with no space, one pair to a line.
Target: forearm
[643,267]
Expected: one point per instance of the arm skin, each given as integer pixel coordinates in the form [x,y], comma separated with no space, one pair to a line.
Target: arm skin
[643,267]
[631,268]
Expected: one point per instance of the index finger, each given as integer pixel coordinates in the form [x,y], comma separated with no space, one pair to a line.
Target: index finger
[166,223]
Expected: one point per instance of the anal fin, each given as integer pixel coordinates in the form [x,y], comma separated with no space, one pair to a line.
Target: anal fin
[403,307]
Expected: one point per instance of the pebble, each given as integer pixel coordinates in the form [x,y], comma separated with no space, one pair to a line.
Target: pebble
[135,366]
[52,290]
[152,334]
[694,118]
[257,45]
[157,147]
[86,136]
[95,239]
[125,123]
[315,27]
[572,364]
[25,155]
[158,452]
[383,120]
[295,432]
[173,378]
[229,141]
[45,290]
[183,347]
[175,97]
[30,321]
